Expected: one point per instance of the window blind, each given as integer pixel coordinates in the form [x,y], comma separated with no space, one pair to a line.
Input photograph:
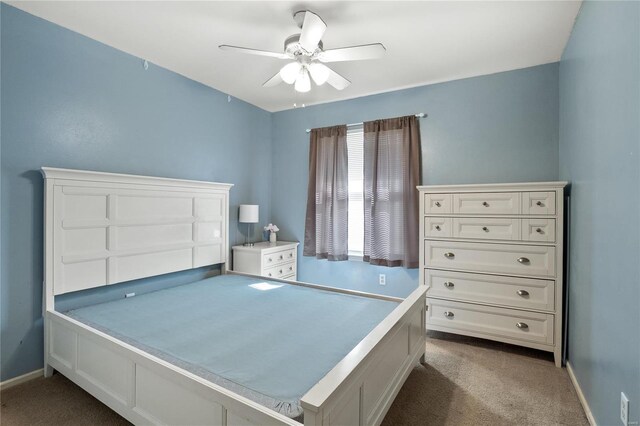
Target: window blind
[355,152]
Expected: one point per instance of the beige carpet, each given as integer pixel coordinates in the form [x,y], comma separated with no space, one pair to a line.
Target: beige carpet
[465,382]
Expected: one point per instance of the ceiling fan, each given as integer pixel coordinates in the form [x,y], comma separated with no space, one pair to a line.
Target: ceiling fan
[308,58]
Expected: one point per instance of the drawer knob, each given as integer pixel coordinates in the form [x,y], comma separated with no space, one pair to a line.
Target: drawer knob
[269,273]
[270,259]
[523,293]
[539,231]
[523,260]
[448,314]
[539,204]
[484,203]
[522,325]
[437,227]
[485,229]
[290,254]
[448,284]
[438,204]
[291,268]
[449,255]
[281,257]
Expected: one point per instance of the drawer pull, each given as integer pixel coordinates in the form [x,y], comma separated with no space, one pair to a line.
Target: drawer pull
[290,254]
[291,268]
[539,231]
[449,255]
[281,257]
[270,259]
[269,273]
[438,204]
[485,229]
[448,284]
[522,325]
[437,227]
[523,293]
[280,271]
[523,260]
[539,204]
[484,203]
[448,314]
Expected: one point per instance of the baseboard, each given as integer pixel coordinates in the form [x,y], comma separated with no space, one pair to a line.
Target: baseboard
[21,379]
[583,400]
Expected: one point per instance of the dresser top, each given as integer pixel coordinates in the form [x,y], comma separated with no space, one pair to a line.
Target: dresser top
[494,187]
[267,246]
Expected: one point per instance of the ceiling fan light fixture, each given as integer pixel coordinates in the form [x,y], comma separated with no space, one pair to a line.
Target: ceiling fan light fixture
[290,72]
[319,72]
[303,84]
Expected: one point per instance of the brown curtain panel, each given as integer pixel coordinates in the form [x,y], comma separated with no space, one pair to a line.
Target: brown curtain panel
[391,174]
[326,223]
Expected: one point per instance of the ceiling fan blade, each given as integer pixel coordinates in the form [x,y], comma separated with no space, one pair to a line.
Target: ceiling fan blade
[313,28]
[273,81]
[254,51]
[337,81]
[353,53]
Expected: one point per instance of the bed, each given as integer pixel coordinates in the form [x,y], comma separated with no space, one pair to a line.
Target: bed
[233,349]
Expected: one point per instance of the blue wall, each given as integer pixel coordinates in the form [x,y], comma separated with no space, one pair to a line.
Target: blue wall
[69,101]
[496,128]
[599,154]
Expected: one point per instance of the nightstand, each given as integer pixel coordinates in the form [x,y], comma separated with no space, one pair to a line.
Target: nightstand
[271,260]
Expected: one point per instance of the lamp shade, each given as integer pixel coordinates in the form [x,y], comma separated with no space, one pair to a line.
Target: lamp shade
[249,213]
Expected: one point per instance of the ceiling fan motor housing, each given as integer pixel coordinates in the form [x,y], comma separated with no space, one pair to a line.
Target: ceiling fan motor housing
[292,47]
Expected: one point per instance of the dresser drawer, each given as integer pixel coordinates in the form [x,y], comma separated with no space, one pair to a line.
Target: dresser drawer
[437,203]
[510,292]
[281,271]
[437,227]
[487,203]
[543,203]
[486,228]
[490,257]
[490,322]
[543,230]
[278,257]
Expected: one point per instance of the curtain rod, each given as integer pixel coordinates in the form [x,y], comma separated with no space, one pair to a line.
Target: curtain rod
[419,115]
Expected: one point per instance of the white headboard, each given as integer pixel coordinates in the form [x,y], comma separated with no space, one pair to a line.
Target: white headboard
[106,228]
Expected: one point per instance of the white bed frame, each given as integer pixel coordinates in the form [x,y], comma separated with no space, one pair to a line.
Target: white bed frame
[103,228]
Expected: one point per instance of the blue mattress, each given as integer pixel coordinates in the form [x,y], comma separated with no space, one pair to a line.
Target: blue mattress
[268,341]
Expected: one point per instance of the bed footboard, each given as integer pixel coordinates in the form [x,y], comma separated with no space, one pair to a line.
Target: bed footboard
[142,388]
[362,387]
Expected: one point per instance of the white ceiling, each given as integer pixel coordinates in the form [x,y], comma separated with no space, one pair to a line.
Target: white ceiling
[427,42]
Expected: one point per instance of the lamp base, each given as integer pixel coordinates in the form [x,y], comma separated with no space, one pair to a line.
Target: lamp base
[248,244]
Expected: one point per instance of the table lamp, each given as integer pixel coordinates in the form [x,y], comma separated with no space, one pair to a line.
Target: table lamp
[249,213]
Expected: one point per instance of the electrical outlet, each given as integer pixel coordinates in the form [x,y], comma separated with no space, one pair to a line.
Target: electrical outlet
[624,409]
[382,279]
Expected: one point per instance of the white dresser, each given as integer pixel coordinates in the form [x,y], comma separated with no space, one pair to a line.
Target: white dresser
[273,260]
[492,256]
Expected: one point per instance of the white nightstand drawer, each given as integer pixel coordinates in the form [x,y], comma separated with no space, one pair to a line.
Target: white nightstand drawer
[486,228]
[278,257]
[491,322]
[487,203]
[539,203]
[437,203]
[509,259]
[511,292]
[539,230]
[280,271]
[438,227]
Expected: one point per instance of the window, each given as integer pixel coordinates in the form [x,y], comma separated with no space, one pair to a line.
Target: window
[355,153]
